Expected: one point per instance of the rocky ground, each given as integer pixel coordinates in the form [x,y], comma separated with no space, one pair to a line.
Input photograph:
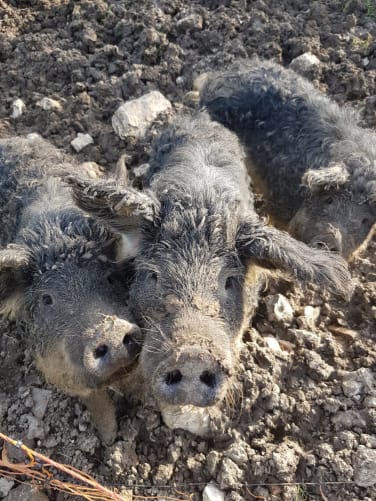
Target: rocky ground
[303,424]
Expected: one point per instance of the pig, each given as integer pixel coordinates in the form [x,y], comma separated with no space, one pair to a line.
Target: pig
[202,254]
[59,280]
[315,167]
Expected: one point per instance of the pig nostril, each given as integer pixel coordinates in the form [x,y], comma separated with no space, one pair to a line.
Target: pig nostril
[128,340]
[100,351]
[173,377]
[209,379]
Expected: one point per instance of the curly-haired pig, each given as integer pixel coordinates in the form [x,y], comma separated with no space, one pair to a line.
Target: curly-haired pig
[202,252]
[58,279]
[314,165]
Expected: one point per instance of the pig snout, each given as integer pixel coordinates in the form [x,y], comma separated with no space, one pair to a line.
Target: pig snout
[115,345]
[194,378]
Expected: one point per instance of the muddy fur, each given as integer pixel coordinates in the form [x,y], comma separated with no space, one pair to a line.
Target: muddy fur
[200,235]
[307,155]
[59,279]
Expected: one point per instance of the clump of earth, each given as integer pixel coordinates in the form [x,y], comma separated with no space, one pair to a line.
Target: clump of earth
[302,420]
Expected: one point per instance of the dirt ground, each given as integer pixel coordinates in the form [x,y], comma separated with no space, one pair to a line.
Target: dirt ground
[306,413]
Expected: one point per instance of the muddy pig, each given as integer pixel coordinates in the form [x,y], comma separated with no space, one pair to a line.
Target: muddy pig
[58,279]
[202,252]
[315,167]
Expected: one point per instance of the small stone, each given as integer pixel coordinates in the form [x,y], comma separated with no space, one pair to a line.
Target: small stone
[40,398]
[81,141]
[310,316]
[48,104]
[123,457]
[365,467]
[238,453]
[346,420]
[344,332]
[230,475]
[279,309]
[191,22]
[319,369]
[359,382]
[163,474]
[133,117]
[88,443]
[212,461]
[273,343]
[310,339]
[286,460]
[91,170]
[18,107]
[89,36]
[307,64]
[35,429]
[196,420]
[33,137]
[25,492]
[141,170]
[213,493]
[5,486]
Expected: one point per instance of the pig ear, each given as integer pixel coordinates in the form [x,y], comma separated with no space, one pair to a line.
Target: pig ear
[332,177]
[15,275]
[274,249]
[121,207]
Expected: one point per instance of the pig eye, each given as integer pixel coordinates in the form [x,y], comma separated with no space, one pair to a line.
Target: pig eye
[111,279]
[47,300]
[230,283]
[329,200]
[100,351]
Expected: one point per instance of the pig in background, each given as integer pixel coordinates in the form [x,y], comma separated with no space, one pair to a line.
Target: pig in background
[202,256]
[58,279]
[314,166]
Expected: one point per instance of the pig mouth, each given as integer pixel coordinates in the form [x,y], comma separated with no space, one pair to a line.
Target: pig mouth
[118,374]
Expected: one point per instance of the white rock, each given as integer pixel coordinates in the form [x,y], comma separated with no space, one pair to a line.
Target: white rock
[34,136]
[18,107]
[40,399]
[196,420]
[5,486]
[359,382]
[133,117]
[81,141]
[35,429]
[141,170]
[190,22]
[273,343]
[212,493]
[365,467]
[90,169]
[48,104]
[279,309]
[311,315]
[305,64]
